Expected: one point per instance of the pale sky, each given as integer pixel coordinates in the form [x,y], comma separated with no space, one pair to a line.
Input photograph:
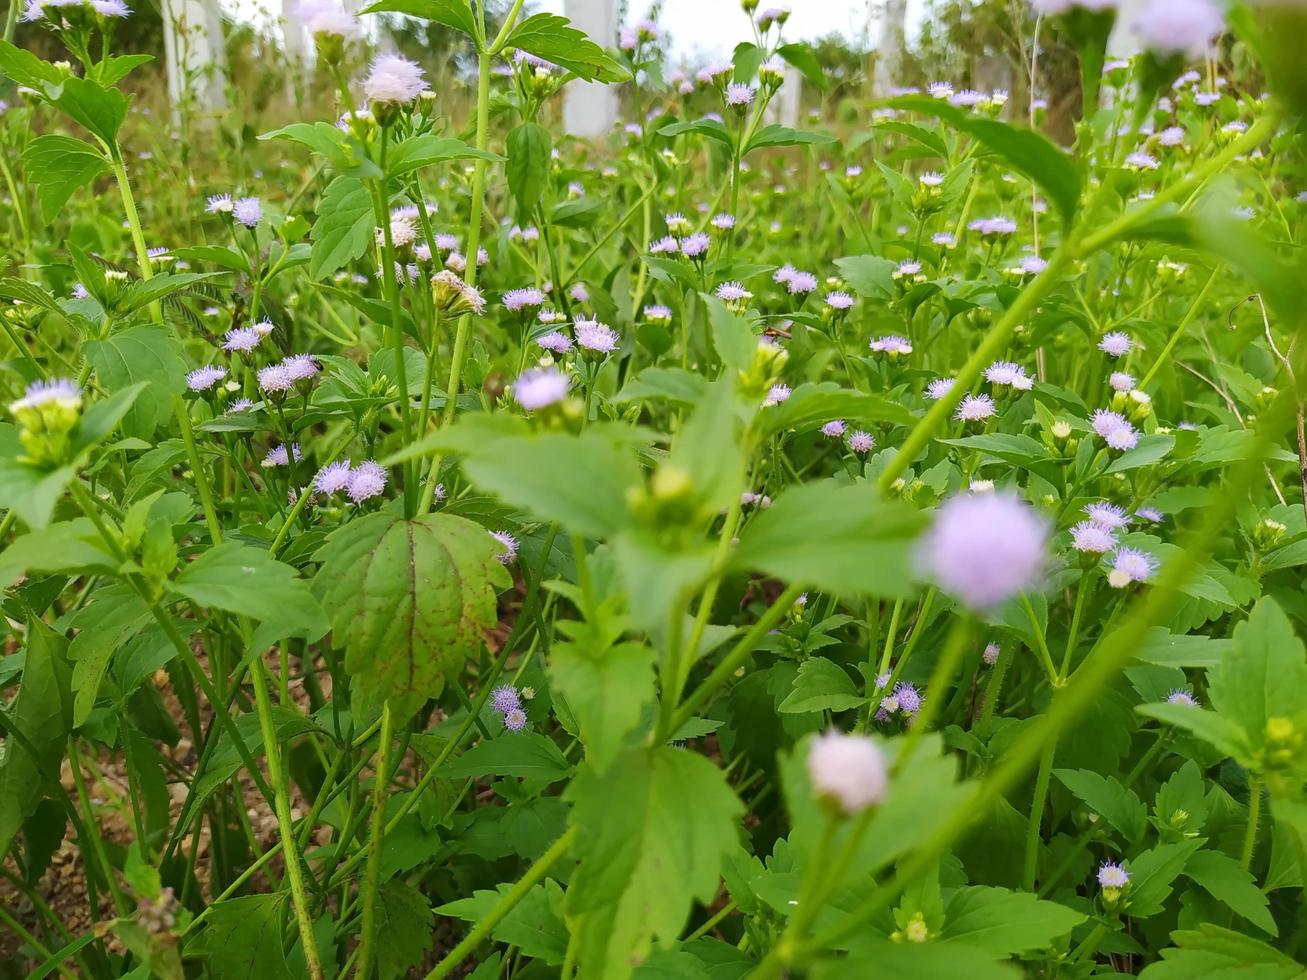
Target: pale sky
[702,29]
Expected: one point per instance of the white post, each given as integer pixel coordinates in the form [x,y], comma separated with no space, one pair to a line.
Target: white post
[590,108]
[1124,43]
[195,55]
[790,97]
[889,53]
[292,32]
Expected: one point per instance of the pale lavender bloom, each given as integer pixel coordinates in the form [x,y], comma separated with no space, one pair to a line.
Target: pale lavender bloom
[801,283]
[240,405]
[63,391]
[446,242]
[939,90]
[1205,99]
[966,99]
[277,456]
[1106,514]
[944,239]
[1139,160]
[776,394]
[505,698]
[723,222]
[849,769]
[110,8]
[1008,374]
[931,178]
[248,211]
[861,442]
[275,379]
[993,226]
[658,313]
[540,387]
[515,720]
[677,222]
[1131,565]
[833,429]
[985,548]
[891,345]
[853,171]
[733,292]
[509,544]
[301,367]
[908,698]
[1112,875]
[1113,429]
[940,387]
[1033,265]
[326,19]
[991,653]
[1171,136]
[367,480]
[332,478]
[975,408]
[1120,381]
[1150,514]
[579,293]
[220,204]
[1092,538]
[906,269]
[1182,27]
[515,300]
[555,341]
[1182,697]
[839,300]
[664,246]
[551,316]
[393,79]
[202,379]
[695,245]
[739,95]
[596,336]
[784,274]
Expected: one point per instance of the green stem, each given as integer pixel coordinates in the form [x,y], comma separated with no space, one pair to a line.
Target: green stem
[1037,815]
[376,833]
[534,875]
[197,467]
[1254,816]
[1041,642]
[285,828]
[1165,353]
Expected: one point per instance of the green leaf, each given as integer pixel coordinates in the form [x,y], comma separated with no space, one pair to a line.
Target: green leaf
[41,711]
[814,404]
[107,623]
[26,68]
[101,110]
[1227,881]
[876,958]
[580,481]
[1151,875]
[58,166]
[69,547]
[645,854]
[143,292]
[775,134]
[1109,799]
[452,13]
[606,693]
[1003,922]
[410,600]
[242,939]
[553,38]
[821,685]
[1211,951]
[712,128]
[1212,728]
[221,255]
[802,58]
[733,336]
[1264,675]
[1028,151]
[244,580]
[321,137]
[840,539]
[425,150]
[115,68]
[870,276]
[535,925]
[669,384]
[527,172]
[528,755]
[149,355]
[31,293]
[344,228]
[404,920]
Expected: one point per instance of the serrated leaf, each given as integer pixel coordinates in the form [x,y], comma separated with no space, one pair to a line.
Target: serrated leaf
[101,110]
[535,925]
[242,939]
[1113,802]
[425,150]
[528,147]
[1264,675]
[1004,922]
[528,755]
[1227,881]
[68,547]
[452,13]
[151,355]
[410,600]
[553,38]
[404,920]
[344,227]
[59,166]
[821,685]
[775,134]
[26,68]
[244,580]
[870,276]
[645,855]
[802,57]
[606,693]
[1210,951]
[876,958]
[1151,875]
[840,539]
[814,404]
[114,616]
[321,137]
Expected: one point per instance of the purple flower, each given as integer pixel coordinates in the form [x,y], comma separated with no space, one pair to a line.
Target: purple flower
[509,544]
[723,222]
[986,548]
[834,429]
[333,478]
[1113,429]
[1008,374]
[241,339]
[1182,697]
[275,379]
[990,654]
[908,698]
[277,456]
[515,720]
[1115,344]
[61,391]
[940,387]
[540,387]
[849,769]
[393,79]
[504,699]
[667,245]
[596,336]
[367,480]
[738,94]
[861,442]
[801,283]
[1178,27]
[695,245]
[248,211]
[202,379]
[555,341]
[1131,565]
[1139,160]
[301,367]
[975,408]
[1112,875]
[1120,381]
[219,204]
[1093,538]
[733,292]
[658,313]
[839,300]
[1106,514]
[776,394]
[891,345]
[1171,136]
[1150,514]
[516,300]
